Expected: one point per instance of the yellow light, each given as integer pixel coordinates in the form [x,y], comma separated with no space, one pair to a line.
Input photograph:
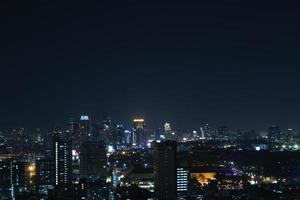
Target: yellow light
[31,168]
[138,120]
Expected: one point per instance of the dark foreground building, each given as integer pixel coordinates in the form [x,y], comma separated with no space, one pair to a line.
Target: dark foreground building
[165,181]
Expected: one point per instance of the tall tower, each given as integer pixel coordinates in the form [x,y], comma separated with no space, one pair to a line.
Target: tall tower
[62,155]
[138,134]
[206,130]
[274,133]
[85,127]
[165,170]
[168,132]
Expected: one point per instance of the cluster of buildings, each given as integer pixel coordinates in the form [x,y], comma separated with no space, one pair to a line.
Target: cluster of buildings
[88,160]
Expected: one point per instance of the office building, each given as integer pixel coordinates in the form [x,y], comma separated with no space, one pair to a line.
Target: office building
[168,134]
[44,176]
[182,182]
[138,135]
[62,158]
[85,127]
[14,178]
[274,133]
[165,171]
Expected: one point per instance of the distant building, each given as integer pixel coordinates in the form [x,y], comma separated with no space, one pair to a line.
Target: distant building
[223,132]
[274,133]
[206,130]
[165,171]
[138,134]
[168,134]
[72,125]
[85,127]
[106,122]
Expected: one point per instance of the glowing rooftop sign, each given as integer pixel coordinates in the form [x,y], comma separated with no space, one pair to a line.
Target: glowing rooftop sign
[84,118]
[138,120]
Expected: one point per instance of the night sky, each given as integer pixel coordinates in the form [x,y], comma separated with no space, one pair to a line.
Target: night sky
[234,63]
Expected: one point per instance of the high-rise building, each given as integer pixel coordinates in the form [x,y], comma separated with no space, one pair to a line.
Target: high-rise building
[274,132]
[223,131]
[206,130]
[72,126]
[138,135]
[168,134]
[85,126]
[120,134]
[14,178]
[106,122]
[62,156]
[44,176]
[182,182]
[93,161]
[165,170]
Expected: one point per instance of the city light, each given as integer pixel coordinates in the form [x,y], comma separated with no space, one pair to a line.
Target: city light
[138,120]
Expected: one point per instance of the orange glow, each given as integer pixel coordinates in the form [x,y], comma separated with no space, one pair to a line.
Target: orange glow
[204,178]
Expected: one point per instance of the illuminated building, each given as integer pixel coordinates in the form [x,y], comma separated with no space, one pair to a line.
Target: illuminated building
[140,176]
[223,132]
[106,122]
[206,130]
[120,134]
[85,128]
[39,138]
[182,182]
[165,171]
[195,135]
[44,176]
[168,134]
[14,178]
[127,136]
[138,134]
[62,155]
[274,133]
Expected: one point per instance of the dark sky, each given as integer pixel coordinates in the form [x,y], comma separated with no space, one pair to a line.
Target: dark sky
[234,63]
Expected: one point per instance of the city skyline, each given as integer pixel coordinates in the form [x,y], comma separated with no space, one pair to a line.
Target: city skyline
[114,100]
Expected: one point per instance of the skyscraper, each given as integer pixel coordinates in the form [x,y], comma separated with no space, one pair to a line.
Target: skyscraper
[168,134]
[182,182]
[274,132]
[44,176]
[14,178]
[165,170]
[72,125]
[138,135]
[62,155]
[206,130]
[85,126]
[223,131]
[106,122]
